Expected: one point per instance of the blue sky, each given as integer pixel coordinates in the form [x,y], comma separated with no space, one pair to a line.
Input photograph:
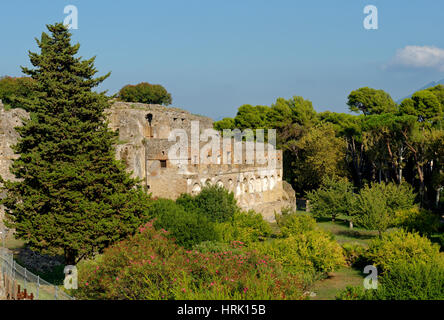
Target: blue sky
[214,56]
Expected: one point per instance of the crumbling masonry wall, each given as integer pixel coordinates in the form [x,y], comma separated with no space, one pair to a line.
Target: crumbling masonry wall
[143,145]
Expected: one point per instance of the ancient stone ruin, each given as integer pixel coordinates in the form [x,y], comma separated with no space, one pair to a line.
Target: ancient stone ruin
[143,145]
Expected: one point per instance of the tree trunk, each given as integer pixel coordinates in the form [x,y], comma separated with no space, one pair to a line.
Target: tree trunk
[438,194]
[422,184]
[401,158]
[70,257]
[350,224]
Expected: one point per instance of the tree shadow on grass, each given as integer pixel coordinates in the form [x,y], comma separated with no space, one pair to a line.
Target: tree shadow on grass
[359,235]
[49,268]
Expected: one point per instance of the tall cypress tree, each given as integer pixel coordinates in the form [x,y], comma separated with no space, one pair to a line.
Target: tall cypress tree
[73,197]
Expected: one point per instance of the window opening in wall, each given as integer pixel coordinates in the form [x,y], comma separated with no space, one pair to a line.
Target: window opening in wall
[149,117]
[163,163]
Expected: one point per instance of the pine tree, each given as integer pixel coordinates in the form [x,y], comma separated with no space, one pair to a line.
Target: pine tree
[73,197]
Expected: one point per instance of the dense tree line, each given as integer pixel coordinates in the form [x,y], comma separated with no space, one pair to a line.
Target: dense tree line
[384,142]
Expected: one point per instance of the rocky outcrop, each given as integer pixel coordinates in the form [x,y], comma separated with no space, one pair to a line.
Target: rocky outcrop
[9,120]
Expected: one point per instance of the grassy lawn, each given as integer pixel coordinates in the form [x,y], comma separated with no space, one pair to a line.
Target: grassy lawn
[327,289]
[343,234]
[54,276]
[13,244]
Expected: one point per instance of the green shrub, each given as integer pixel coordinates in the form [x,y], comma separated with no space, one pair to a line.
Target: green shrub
[246,227]
[214,202]
[149,266]
[12,89]
[438,239]
[236,247]
[354,293]
[312,253]
[375,206]
[186,227]
[332,198]
[145,93]
[400,246]
[419,220]
[294,224]
[413,280]
[406,280]
[353,254]
[187,202]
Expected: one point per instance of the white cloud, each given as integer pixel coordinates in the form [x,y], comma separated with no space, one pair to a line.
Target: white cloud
[419,57]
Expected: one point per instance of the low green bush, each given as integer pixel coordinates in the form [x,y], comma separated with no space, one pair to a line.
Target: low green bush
[398,247]
[247,227]
[413,280]
[406,280]
[354,254]
[294,224]
[186,227]
[236,247]
[214,202]
[14,89]
[354,293]
[186,200]
[311,254]
[145,93]
[419,220]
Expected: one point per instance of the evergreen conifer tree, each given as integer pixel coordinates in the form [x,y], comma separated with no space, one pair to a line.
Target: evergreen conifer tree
[72,196]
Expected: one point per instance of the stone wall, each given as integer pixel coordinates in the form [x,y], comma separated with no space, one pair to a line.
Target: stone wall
[8,136]
[143,145]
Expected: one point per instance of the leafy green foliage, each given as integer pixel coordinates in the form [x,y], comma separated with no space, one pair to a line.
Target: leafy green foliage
[293,223]
[214,202]
[303,248]
[225,123]
[186,227]
[417,220]
[250,117]
[413,280]
[371,101]
[412,269]
[423,104]
[320,154]
[375,206]
[247,227]
[311,254]
[236,247]
[353,254]
[14,89]
[72,196]
[295,110]
[149,266]
[400,246]
[332,199]
[145,93]
[354,293]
